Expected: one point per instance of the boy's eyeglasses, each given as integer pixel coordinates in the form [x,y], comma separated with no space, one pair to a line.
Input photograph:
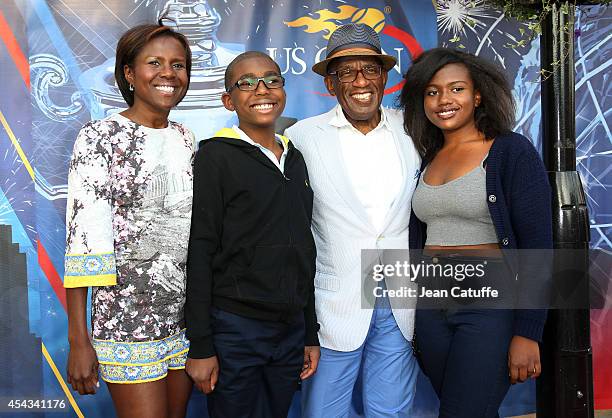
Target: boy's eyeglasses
[251,83]
[348,75]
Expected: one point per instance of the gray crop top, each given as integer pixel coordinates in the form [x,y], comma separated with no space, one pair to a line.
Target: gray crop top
[456,213]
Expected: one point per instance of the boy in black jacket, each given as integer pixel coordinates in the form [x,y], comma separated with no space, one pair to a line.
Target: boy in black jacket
[250,294]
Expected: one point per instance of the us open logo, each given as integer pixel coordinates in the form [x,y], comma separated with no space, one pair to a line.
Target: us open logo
[395,41]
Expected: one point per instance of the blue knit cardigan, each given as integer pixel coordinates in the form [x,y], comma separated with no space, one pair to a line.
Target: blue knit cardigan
[519,200]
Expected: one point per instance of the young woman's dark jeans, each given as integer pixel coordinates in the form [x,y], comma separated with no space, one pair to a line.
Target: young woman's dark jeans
[465,355]
[464,352]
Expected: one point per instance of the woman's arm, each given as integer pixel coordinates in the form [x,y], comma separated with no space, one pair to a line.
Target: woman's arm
[82,359]
[90,256]
[531,217]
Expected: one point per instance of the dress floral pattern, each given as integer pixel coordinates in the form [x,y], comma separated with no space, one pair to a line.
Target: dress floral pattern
[127,227]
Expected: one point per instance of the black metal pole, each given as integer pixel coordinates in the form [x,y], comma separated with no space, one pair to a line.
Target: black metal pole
[565,389]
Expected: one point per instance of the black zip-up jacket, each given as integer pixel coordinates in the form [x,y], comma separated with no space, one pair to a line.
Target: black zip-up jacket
[251,250]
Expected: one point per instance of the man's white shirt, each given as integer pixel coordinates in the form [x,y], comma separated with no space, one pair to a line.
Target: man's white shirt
[372,163]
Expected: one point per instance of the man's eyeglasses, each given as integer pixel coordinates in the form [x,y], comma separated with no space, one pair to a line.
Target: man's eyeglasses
[251,83]
[348,75]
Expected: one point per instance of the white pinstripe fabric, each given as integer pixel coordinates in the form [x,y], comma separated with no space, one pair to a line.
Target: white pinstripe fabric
[342,229]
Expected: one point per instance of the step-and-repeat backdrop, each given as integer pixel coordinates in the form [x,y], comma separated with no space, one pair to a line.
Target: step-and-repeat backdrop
[56,72]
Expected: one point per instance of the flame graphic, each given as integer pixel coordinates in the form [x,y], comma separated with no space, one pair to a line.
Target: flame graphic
[326,21]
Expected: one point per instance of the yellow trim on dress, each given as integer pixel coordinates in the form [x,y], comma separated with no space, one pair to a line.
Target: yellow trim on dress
[87,281]
[153,379]
[84,270]
[141,353]
[117,374]
[117,365]
[130,382]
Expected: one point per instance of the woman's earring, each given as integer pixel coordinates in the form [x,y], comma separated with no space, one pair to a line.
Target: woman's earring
[131,87]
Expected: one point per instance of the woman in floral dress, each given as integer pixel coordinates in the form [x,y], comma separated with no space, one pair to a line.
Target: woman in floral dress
[128,218]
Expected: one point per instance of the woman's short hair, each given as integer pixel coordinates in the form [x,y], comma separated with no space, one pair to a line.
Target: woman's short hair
[494,116]
[130,45]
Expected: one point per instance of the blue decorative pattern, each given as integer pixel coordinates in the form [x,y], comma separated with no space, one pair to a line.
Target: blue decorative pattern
[90,264]
[115,373]
[141,353]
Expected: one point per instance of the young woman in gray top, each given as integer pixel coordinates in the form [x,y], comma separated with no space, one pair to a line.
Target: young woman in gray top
[484,189]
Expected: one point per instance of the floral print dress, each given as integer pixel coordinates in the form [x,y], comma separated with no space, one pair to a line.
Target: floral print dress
[127,230]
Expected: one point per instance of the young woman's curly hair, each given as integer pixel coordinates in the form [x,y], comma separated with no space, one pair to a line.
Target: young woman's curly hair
[494,116]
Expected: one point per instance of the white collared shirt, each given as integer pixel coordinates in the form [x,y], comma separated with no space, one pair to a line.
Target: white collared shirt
[373,165]
[268,153]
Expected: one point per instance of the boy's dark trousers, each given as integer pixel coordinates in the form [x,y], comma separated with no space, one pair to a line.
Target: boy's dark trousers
[259,365]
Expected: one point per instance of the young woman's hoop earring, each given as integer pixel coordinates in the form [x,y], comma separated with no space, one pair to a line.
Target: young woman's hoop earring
[131,87]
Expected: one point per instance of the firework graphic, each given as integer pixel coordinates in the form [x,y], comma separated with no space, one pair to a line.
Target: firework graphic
[457,16]
[593,114]
[484,28]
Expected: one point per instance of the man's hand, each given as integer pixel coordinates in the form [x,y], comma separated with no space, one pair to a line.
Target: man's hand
[312,353]
[204,372]
[83,368]
[523,359]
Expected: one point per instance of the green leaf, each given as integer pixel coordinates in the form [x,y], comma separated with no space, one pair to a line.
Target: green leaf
[564,8]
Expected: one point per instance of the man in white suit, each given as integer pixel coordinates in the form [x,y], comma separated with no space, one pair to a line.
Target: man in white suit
[363,169]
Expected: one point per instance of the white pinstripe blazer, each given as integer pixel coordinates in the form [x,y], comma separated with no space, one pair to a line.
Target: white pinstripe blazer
[341,229]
